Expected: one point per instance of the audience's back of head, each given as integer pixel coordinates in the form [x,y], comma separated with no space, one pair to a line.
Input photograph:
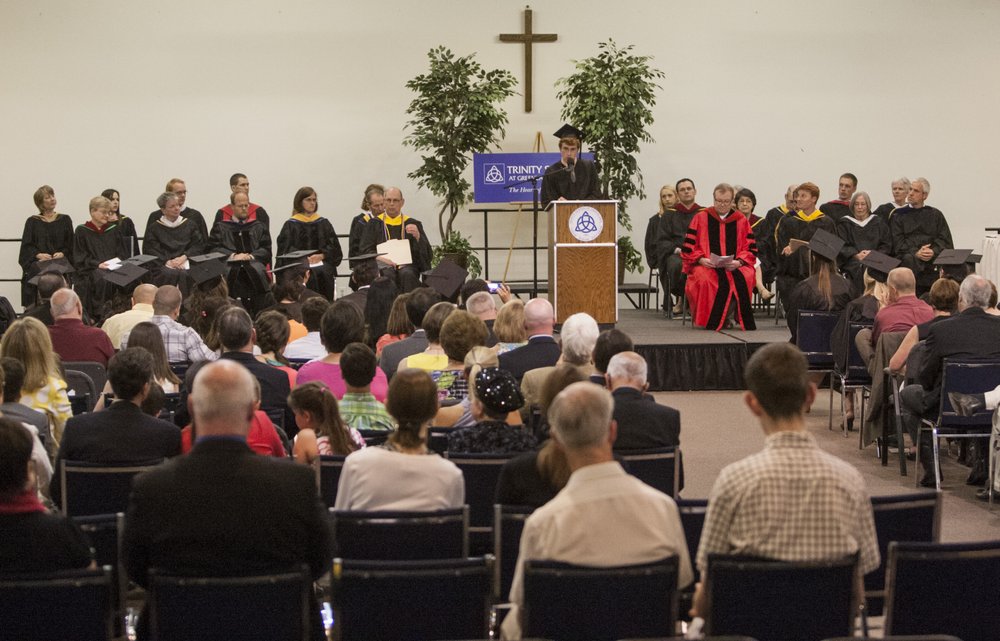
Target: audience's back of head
[222,398]
[434,320]
[399,323]
[378,306]
[460,332]
[975,291]
[13,379]
[419,303]
[944,295]
[64,303]
[413,401]
[558,379]
[509,325]
[272,332]
[580,416]
[539,317]
[469,288]
[129,370]
[609,343]
[578,336]
[312,312]
[167,300]
[235,329]
[357,365]
[902,280]
[481,304]
[777,375]
[15,453]
[627,369]
[49,283]
[144,294]
[27,339]
[342,324]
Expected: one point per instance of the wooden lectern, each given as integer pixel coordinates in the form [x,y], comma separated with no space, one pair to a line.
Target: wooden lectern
[583,258]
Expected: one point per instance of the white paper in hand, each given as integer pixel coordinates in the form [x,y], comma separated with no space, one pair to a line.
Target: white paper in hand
[396,250]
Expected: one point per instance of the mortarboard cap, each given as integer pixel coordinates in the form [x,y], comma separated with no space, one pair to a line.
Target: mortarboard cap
[826,244]
[974,258]
[53,266]
[568,131]
[302,264]
[302,253]
[371,256]
[125,275]
[140,259]
[952,257]
[879,265]
[446,279]
[206,270]
[201,258]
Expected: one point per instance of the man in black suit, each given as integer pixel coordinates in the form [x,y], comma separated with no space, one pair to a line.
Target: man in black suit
[223,510]
[542,349]
[420,301]
[642,422]
[121,434]
[972,333]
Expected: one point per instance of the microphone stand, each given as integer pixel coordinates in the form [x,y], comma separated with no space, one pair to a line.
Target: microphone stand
[534,216]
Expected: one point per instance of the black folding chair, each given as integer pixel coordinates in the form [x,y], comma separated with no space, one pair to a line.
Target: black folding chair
[692,513]
[943,588]
[374,437]
[272,607]
[658,467]
[854,376]
[778,600]
[72,605]
[97,372]
[413,600]
[508,523]
[328,477]
[481,472]
[401,535]
[563,601]
[82,391]
[105,534]
[437,439]
[900,517]
[96,488]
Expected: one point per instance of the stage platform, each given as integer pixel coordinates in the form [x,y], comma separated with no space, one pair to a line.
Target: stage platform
[682,358]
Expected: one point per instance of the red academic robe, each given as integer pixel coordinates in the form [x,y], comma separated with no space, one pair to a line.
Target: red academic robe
[711,291]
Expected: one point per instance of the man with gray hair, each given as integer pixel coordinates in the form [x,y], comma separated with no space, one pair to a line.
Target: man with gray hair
[222,510]
[71,339]
[542,349]
[919,233]
[900,190]
[182,343]
[603,517]
[972,333]
[484,307]
[642,422]
[393,224]
[577,339]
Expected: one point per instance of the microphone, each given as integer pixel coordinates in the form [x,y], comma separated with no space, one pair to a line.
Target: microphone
[572,169]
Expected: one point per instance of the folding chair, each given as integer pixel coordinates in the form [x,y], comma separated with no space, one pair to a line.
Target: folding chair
[73,605]
[414,600]
[271,607]
[943,588]
[437,439]
[374,437]
[692,513]
[95,488]
[82,391]
[966,377]
[328,477]
[855,376]
[481,472]
[508,523]
[778,600]
[567,602]
[401,535]
[657,467]
[97,372]
[105,534]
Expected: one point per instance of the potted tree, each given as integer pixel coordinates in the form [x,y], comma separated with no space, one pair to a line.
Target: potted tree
[456,112]
[611,97]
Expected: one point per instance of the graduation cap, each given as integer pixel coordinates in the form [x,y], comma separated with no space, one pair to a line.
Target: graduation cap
[300,254]
[879,265]
[125,275]
[957,263]
[201,258]
[206,270]
[826,245]
[446,279]
[569,131]
[141,259]
[53,266]
[302,265]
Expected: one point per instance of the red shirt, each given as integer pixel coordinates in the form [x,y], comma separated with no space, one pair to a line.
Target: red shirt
[262,438]
[901,316]
[74,341]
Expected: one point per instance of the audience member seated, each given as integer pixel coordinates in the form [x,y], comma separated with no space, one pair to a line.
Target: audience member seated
[541,349]
[222,510]
[432,357]
[402,474]
[342,324]
[13,380]
[609,342]
[40,456]
[577,339]
[417,306]
[792,501]
[494,396]
[397,327]
[27,340]
[264,437]
[272,335]
[48,283]
[142,310]
[291,290]
[460,414]
[509,327]
[603,517]
[642,422]
[943,299]
[902,311]
[483,306]
[359,408]
[148,336]
[534,478]
[183,344]
[122,433]
[321,430]
[71,339]
[309,346]
[825,290]
[460,333]
[33,539]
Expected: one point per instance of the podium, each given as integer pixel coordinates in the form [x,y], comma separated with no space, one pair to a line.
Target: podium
[583,258]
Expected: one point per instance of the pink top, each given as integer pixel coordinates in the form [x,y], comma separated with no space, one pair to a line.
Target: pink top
[330,374]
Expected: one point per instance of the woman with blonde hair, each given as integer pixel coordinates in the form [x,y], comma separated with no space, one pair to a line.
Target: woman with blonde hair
[460,415]
[27,340]
[509,326]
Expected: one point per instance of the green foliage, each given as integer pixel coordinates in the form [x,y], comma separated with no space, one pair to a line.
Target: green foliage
[611,98]
[629,254]
[456,113]
[455,243]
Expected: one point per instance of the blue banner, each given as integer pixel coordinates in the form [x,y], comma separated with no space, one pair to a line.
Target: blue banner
[494,175]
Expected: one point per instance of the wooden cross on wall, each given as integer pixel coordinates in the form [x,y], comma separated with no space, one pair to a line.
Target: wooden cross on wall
[527,38]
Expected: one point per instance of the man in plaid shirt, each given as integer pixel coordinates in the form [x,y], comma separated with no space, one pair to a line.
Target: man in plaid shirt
[791,501]
[182,343]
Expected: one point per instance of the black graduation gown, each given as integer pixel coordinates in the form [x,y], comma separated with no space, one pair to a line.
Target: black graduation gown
[90,249]
[126,227]
[191,214]
[884,210]
[40,237]
[318,235]
[358,224]
[763,233]
[836,209]
[649,242]
[167,243]
[911,228]
[873,235]
[795,267]
[861,309]
[420,250]
[806,296]
[248,280]
[559,183]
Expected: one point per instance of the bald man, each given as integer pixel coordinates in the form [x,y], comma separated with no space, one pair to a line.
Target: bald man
[142,310]
[71,339]
[542,349]
[222,510]
[393,224]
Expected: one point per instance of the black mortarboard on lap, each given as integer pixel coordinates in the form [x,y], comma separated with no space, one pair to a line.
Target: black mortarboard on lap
[141,260]
[569,131]
[826,245]
[53,266]
[956,263]
[125,275]
[205,267]
[879,265]
[299,254]
[446,279]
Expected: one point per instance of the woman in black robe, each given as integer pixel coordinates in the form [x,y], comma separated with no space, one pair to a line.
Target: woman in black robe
[95,243]
[861,232]
[307,230]
[126,227]
[47,236]
[172,238]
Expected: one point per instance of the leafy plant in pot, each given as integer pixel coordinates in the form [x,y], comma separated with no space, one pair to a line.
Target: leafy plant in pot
[456,248]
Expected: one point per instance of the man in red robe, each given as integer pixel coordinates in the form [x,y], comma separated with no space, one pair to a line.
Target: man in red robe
[719,256]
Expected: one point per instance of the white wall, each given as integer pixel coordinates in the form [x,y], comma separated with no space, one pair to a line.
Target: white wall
[126,94]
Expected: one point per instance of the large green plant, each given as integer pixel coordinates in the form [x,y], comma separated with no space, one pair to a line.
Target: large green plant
[611,98]
[456,113]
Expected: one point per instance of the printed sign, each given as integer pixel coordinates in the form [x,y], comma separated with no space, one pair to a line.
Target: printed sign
[585,224]
[496,174]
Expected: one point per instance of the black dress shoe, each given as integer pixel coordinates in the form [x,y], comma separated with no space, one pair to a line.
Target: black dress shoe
[966,404]
[983,494]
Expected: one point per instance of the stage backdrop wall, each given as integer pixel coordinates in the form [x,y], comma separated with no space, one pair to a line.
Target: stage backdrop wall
[126,94]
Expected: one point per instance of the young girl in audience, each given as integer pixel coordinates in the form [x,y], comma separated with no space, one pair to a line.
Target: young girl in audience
[397,327]
[27,340]
[146,334]
[321,430]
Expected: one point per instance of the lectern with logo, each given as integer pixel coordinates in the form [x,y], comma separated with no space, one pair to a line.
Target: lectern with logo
[583,258]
